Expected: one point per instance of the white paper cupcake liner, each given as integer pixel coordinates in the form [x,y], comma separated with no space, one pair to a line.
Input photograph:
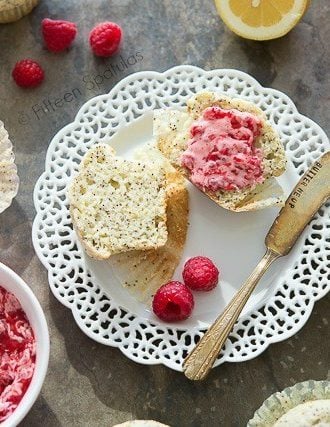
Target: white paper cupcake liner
[280,403]
[15,9]
[141,423]
[9,180]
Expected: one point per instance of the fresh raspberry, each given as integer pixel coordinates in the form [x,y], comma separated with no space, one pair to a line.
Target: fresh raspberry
[200,274]
[58,35]
[105,38]
[173,301]
[28,73]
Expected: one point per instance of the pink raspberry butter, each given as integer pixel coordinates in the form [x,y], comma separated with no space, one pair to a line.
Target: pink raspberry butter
[17,353]
[221,152]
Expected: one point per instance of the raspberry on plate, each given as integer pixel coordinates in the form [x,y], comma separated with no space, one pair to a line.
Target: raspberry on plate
[105,38]
[58,35]
[173,301]
[28,73]
[200,274]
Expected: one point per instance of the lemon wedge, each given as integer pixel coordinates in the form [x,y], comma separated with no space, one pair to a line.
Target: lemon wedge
[261,19]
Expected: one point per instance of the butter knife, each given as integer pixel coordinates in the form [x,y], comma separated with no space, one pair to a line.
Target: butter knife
[312,190]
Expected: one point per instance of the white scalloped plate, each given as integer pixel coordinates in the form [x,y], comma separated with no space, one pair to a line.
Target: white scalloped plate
[102,308]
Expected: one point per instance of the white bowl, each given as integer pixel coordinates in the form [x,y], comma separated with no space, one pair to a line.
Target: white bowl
[14,284]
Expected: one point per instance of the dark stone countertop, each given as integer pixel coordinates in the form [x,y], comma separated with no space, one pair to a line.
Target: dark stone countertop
[89,384]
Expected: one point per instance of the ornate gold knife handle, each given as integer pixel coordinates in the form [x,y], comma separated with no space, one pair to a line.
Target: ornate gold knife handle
[199,362]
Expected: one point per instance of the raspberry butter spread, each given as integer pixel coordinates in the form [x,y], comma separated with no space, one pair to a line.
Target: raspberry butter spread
[17,353]
[220,153]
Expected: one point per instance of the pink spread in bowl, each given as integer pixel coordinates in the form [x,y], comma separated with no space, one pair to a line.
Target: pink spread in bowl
[17,353]
[221,154]
[24,348]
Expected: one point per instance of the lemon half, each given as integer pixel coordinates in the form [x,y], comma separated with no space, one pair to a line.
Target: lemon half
[261,19]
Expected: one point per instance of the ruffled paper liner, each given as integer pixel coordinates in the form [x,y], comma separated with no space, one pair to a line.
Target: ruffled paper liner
[15,10]
[9,180]
[280,403]
[141,423]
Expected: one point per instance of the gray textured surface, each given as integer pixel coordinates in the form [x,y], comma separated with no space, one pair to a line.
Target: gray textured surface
[89,384]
